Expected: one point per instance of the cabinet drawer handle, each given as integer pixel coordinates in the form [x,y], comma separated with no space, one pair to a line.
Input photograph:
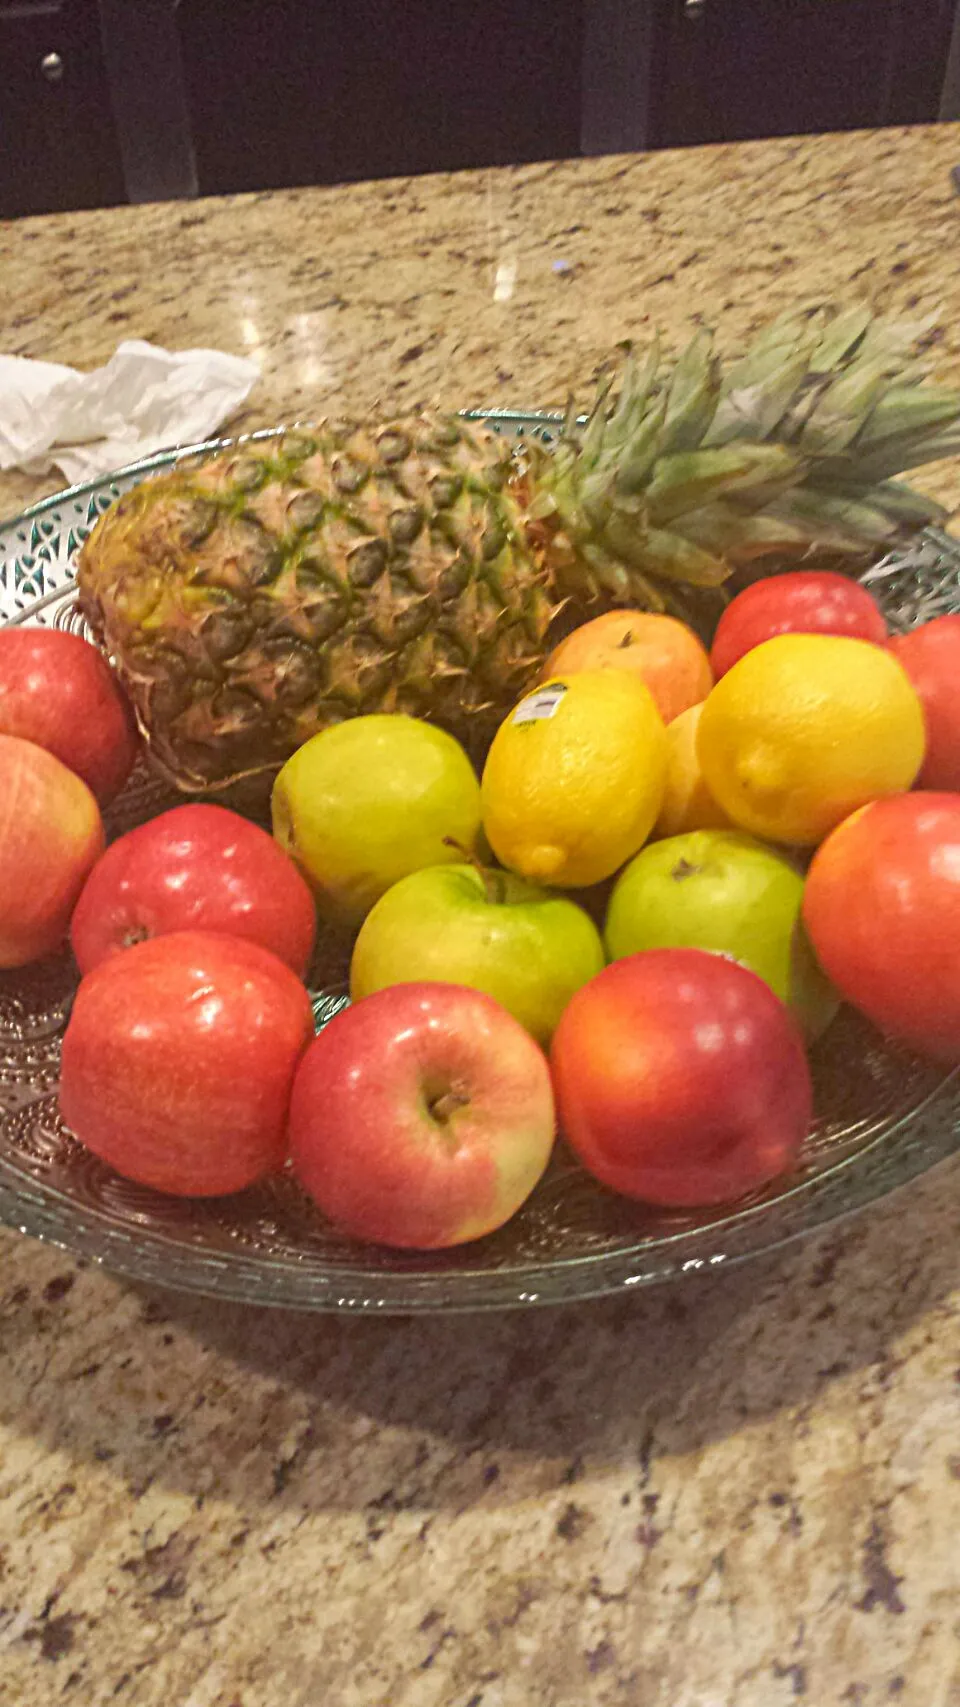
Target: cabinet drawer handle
[51,66]
[694,9]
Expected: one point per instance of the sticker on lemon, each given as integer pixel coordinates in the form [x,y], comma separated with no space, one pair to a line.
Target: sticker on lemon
[806,728]
[574,778]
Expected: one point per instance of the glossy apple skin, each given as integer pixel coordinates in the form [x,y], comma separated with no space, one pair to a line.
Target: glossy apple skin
[51,834]
[680,1079]
[57,690]
[882,908]
[201,868]
[422,1117]
[178,1061]
[526,947]
[930,655]
[724,891]
[804,601]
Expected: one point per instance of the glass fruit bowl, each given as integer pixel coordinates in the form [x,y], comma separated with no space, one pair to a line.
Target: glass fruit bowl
[883,1115]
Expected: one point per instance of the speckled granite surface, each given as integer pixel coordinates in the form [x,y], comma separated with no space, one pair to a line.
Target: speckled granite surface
[741,1495]
[492,287]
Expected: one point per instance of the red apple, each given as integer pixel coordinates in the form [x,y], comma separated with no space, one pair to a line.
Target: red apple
[57,690]
[930,655]
[681,1079]
[50,835]
[421,1117]
[882,906]
[195,868]
[802,601]
[178,1061]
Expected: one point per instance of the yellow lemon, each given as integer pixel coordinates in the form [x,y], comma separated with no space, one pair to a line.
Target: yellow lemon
[806,728]
[574,778]
[687,801]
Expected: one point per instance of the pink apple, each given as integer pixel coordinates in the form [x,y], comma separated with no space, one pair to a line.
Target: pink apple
[57,690]
[179,1058]
[422,1117]
[681,1078]
[50,835]
[196,868]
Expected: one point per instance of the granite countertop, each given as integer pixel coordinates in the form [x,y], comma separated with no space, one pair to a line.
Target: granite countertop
[741,1494]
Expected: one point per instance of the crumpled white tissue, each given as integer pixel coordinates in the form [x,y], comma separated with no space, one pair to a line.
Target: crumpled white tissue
[144,400]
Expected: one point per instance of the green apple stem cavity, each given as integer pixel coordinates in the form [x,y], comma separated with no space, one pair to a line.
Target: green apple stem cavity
[493,879]
[685,868]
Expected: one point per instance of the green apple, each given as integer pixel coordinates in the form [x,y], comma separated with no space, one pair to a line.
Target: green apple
[528,948]
[723,891]
[367,801]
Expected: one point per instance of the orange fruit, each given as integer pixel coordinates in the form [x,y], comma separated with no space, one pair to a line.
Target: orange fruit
[662,651]
[687,801]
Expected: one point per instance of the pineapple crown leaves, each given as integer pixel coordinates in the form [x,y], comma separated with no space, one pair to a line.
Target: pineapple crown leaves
[683,472]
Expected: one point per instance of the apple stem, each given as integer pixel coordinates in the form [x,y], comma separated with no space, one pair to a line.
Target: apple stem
[494,882]
[443,1107]
[626,641]
[684,868]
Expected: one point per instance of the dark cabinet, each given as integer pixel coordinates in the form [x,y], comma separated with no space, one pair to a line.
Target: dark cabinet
[106,100]
[58,147]
[318,91]
[726,70]
[315,91]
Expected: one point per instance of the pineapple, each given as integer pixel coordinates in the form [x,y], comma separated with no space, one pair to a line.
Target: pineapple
[426,566]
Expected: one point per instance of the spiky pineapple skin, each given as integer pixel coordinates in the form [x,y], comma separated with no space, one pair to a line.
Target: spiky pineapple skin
[427,566]
[250,600]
